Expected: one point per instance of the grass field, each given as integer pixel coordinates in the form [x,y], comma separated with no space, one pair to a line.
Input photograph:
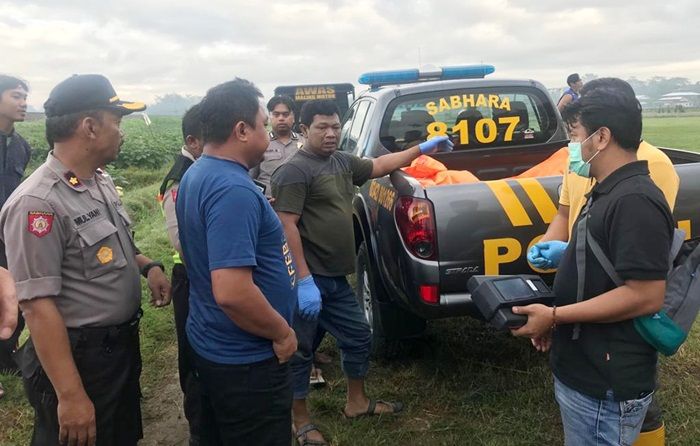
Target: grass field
[676,132]
[463,383]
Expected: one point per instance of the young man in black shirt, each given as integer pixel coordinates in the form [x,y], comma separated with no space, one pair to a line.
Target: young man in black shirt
[14,157]
[604,371]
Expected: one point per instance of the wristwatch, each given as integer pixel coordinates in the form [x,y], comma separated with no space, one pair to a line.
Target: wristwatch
[147,267]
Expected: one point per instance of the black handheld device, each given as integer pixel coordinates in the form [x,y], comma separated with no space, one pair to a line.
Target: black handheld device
[494,296]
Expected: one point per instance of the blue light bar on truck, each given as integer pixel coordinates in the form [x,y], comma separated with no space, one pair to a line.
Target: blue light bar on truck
[377,78]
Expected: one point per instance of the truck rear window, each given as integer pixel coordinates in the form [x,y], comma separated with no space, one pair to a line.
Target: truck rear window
[473,118]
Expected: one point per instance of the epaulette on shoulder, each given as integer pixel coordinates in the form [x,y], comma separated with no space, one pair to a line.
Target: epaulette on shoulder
[40,187]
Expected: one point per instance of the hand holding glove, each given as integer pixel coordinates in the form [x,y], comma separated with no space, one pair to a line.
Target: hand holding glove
[309,298]
[546,255]
[437,144]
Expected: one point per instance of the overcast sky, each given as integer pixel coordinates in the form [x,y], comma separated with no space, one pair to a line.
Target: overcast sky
[153,47]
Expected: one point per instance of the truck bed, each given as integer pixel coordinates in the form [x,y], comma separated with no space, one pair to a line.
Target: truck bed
[487,227]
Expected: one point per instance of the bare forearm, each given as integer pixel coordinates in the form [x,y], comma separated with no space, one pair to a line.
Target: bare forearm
[559,227]
[50,338]
[386,164]
[291,231]
[622,303]
[249,309]
[8,304]
[142,260]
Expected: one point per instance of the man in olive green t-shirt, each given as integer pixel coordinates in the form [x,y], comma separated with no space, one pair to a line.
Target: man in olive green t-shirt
[313,194]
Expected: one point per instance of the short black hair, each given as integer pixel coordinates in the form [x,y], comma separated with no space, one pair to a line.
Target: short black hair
[280,99]
[609,82]
[10,82]
[573,78]
[317,107]
[225,105]
[60,128]
[610,103]
[192,123]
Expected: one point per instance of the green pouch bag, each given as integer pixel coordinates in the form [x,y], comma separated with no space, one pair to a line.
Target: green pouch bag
[661,332]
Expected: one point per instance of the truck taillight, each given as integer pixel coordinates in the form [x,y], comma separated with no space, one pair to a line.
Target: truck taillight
[414,217]
[429,294]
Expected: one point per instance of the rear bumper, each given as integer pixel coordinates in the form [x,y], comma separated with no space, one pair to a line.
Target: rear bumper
[450,305]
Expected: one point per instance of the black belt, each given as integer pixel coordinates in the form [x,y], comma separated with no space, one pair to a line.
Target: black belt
[105,335]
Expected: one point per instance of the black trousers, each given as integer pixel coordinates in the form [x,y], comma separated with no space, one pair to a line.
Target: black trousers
[188,382]
[245,404]
[109,364]
[654,417]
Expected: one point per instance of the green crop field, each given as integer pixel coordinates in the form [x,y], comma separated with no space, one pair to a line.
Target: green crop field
[463,383]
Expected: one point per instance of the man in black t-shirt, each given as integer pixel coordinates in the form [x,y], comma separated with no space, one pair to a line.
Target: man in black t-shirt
[313,192]
[604,371]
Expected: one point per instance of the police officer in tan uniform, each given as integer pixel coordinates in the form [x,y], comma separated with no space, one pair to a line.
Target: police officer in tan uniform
[283,141]
[71,251]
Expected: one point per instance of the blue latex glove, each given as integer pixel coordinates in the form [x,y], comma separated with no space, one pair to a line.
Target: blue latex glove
[309,298]
[552,251]
[437,144]
[536,259]
[545,255]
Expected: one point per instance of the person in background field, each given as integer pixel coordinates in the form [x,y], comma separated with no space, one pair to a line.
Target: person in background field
[242,277]
[312,195]
[572,199]
[71,252]
[604,371]
[191,151]
[283,141]
[15,154]
[571,94]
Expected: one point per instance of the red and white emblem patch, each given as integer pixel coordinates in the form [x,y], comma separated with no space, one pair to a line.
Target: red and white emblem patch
[40,223]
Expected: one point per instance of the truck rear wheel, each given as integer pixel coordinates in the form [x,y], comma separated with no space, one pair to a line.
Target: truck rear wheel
[389,322]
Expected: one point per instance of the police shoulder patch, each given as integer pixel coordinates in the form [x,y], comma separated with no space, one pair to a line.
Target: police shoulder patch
[39,223]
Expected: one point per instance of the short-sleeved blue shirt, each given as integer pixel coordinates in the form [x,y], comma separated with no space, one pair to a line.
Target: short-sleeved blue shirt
[226,222]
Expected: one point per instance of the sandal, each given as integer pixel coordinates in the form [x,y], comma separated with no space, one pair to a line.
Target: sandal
[396,407]
[302,436]
[316,378]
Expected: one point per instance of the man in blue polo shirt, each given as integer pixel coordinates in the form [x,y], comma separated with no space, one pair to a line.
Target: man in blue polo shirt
[242,277]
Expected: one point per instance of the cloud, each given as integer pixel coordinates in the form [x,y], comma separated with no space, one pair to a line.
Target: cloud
[157,47]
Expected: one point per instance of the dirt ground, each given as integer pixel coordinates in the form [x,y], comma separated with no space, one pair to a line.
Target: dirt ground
[164,422]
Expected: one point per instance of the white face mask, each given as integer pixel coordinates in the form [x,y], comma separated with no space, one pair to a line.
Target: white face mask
[576,163]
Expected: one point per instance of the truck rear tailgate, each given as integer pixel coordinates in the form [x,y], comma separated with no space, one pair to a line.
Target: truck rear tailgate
[487,227]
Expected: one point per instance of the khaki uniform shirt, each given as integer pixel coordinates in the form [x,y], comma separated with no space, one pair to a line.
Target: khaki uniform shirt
[69,239]
[276,154]
[169,198]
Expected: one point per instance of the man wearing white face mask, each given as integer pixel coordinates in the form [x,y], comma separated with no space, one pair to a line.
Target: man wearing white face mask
[604,371]
[572,198]
[548,251]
